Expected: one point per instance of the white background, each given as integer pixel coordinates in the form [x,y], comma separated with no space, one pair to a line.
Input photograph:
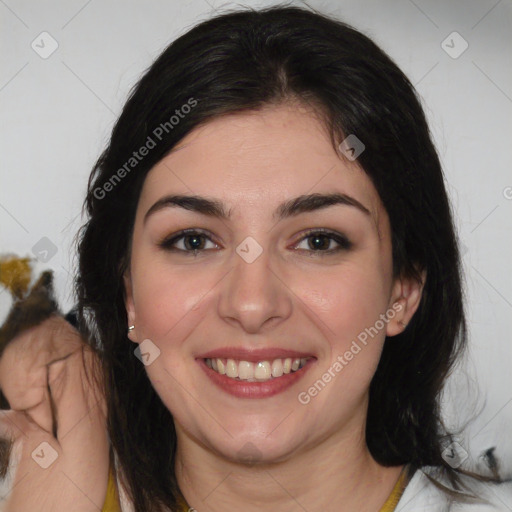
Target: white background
[57,114]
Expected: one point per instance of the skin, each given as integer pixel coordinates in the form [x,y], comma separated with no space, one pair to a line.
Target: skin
[187,305]
[52,357]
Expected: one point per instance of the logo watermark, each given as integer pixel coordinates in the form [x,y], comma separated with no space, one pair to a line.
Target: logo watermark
[305,397]
[352,147]
[45,455]
[147,352]
[139,155]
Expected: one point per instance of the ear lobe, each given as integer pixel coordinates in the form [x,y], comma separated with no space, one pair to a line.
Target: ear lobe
[129,304]
[405,299]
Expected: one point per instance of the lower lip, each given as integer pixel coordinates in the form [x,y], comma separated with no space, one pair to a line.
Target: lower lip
[245,389]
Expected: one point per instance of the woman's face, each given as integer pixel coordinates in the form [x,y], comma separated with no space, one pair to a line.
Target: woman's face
[263,286]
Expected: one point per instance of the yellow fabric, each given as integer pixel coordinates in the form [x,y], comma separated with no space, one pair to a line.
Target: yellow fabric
[112,500]
[15,274]
[396,493]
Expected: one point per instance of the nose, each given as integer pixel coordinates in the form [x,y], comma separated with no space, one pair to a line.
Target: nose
[254,295]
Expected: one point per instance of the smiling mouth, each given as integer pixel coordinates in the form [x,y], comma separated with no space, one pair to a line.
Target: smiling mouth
[261,371]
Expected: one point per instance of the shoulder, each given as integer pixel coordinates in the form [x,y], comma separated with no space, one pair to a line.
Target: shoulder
[422,495]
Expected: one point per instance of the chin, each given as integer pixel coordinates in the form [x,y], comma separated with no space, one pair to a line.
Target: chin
[255,449]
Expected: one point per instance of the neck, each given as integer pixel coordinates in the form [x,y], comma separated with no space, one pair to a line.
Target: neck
[339,471]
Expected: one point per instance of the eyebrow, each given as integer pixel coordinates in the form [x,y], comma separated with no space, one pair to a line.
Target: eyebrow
[290,208]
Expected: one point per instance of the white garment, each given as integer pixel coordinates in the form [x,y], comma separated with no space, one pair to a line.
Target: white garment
[421,495]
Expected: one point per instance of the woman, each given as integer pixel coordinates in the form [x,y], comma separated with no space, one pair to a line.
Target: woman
[271,274]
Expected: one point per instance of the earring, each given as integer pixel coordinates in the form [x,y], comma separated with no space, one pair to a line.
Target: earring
[130,329]
[402,324]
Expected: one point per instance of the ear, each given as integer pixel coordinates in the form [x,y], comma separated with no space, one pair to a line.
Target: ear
[129,305]
[405,299]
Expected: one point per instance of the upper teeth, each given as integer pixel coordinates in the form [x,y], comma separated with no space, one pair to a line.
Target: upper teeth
[260,371]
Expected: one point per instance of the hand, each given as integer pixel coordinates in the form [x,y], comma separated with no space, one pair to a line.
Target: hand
[59,459]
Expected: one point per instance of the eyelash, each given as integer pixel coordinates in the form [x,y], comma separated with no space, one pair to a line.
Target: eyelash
[344,243]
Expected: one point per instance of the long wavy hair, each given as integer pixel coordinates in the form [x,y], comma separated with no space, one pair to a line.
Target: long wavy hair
[244,60]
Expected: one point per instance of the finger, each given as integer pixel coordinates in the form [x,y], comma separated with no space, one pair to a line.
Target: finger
[24,374]
[75,391]
[77,478]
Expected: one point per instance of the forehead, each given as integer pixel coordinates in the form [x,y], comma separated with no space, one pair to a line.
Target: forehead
[259,159]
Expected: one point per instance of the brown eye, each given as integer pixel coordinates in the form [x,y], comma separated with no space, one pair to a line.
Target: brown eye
[187,241]
[320,241]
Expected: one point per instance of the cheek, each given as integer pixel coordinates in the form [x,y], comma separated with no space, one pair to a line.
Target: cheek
[348,300]
[349,303]
[167,297]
